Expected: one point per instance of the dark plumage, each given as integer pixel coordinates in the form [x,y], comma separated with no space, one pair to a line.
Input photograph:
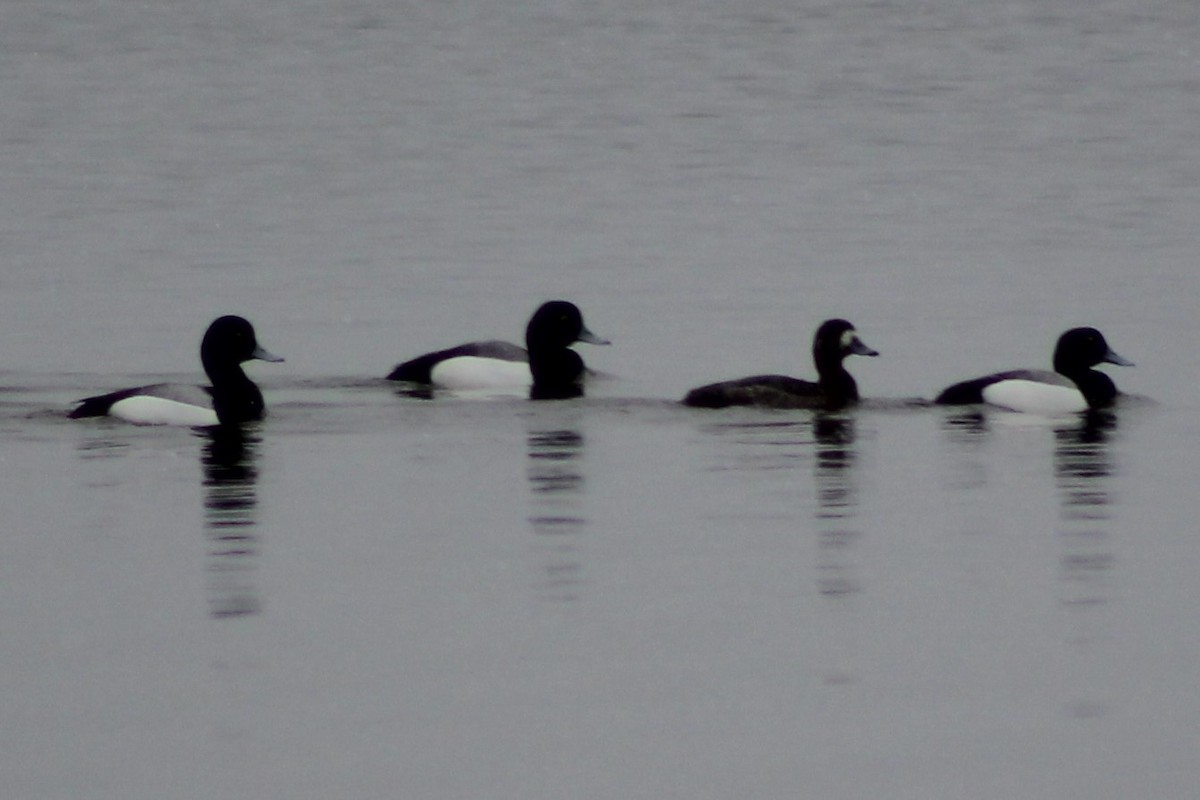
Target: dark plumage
[1077,351]
[835,387]
[233,398]
[555,371]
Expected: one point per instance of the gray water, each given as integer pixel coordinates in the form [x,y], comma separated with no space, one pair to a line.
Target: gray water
[372,595]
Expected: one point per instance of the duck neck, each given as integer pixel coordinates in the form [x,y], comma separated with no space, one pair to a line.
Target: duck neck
[224,374]
[556,374]
[236,399]
[1097,388]
[836,383]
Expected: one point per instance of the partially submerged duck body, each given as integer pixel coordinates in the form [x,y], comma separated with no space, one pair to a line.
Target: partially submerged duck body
[834,388]
[1073,386]
[547,366]
[231,399]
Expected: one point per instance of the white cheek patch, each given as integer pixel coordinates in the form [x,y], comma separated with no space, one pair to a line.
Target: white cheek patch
[849,337]
[149,410]
[1035,397]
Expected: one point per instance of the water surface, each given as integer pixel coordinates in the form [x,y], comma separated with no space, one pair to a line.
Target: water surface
[375,595]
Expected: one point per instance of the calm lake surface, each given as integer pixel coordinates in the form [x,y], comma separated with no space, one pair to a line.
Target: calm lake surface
[373,595]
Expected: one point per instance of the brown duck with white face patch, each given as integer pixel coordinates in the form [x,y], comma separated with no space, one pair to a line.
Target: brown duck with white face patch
[834,388]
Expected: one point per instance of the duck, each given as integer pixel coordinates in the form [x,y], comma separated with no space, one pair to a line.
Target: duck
[547,365]
[232,398]
[835,388]
[1073,386]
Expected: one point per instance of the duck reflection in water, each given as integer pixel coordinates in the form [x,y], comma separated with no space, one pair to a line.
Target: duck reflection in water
[230,503]
[789,443]
[556,489]
[1083,471]
[1083,474]
[836,501]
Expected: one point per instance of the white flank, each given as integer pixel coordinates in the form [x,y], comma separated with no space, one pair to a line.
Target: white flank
[149,410]
[1033,397]
[473,372]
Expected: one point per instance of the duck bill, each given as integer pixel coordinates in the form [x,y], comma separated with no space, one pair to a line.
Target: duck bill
[1112,357]
[263,354]
[858,348]
[588,337]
